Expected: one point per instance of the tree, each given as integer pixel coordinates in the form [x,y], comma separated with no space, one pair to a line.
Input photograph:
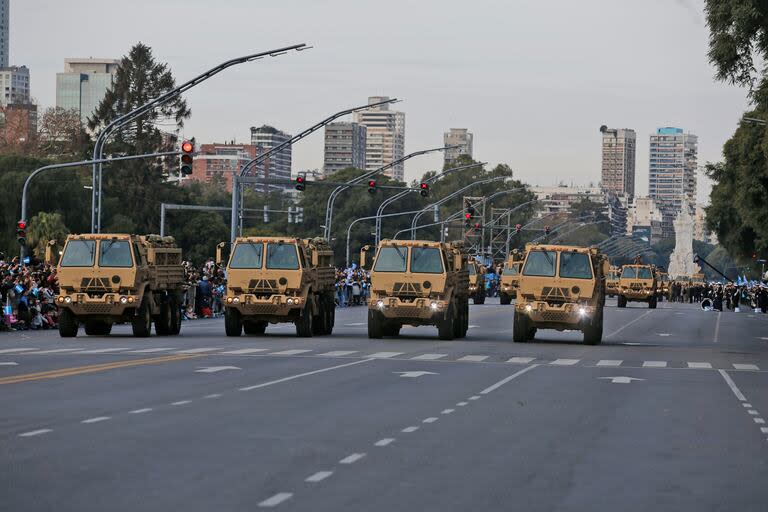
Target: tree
[61,134]
[137,188]
[45,227]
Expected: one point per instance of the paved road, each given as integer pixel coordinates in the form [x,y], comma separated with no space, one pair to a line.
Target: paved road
[666,414]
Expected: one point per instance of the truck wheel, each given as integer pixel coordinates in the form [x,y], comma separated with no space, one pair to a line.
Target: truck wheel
[319,322]
[304,323]
[233,324]
[256,328]
[504,298]
[447,326]
[375,330]
[652,302]
[175,317]
[142,323]
[97,328]
[479,298]
[520,328]
[622,302]
[163,325]
[593,331]
[458,324]
[68,324]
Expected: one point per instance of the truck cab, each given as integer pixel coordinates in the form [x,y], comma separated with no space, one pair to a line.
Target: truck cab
[510,279]
[612,282]
[476,281]
[638,283]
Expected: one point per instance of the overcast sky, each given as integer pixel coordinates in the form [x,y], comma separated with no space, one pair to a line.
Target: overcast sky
[533,80]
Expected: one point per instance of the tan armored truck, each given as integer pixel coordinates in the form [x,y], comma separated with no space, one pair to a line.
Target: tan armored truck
[476,282]
[509,282]
[278,280]
[561,287]
[612,282]
[638,283]
[108,279]
[417,282]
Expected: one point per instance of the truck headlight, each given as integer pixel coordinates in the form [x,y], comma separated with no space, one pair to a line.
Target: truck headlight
[528,308]
[67,299]
[236,300]
[380,304]
[229,300]
[123,300]
[434,305]
[582,311]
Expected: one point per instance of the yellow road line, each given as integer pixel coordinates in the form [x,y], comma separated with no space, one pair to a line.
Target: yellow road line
[80,370]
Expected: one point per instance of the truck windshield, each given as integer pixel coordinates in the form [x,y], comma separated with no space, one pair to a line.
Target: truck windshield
[391,259]
[247,255]
[644,273]
[628,273]
[115,253]
[575,265]
[511,270]
[79,253]
[282,257]
[426,260]
[540,263]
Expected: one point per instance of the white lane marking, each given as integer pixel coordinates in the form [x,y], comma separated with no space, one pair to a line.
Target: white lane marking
[338,353]
[351,459]
[654,364]
[428,357]
[384,442]
[415,374]
[664,334]
[59,350]
[213,395]
[276,499]
[431,419]
[305,374]
[319,476]
[181,402]
[474,397]
[520,360]
[104,350]
[36,432]
[609,362]
[289,352]
[216,369]
[752,412]
[759,421]
[140,411]
[747,405]
[617,331]
[621,379]
[739,366]
[355,324]
[96,419]
[151,350]
[447,411]
[700,365]
[9,363]
[13,350]
[384,355]
[717,328]
[462,404]
[196,350]
[564,362]
[503,381]
[410,429]
[476,359]
[764,430]
[732,385]
[245,351]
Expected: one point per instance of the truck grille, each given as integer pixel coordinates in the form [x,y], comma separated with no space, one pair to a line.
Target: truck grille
[262,286]
[97,309]
[551,293]
[407,289]
[636,286]
[555,316]
[262,309]
[402,312]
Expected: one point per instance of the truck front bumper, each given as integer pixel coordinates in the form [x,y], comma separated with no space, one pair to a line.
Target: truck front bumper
[567,314]
[109,304]
[424,309]
[274,305]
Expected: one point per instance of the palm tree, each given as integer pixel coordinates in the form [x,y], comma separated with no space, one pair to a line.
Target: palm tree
[44,227]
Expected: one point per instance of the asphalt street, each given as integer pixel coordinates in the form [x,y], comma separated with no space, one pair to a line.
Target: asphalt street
[667,414]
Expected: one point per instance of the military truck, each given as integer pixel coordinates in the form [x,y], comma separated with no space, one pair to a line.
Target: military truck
[561,287]
[274,280]
[476,282]
[417,282]
[106,279]
[612,282]
[510,279]
[638,283]
[664,282]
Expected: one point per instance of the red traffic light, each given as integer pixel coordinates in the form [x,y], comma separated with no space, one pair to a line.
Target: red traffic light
[518,228]
[478,225]
[300,182]
[424,189]
[546,230]
[187,146]
[21,225]
[467,216]
[371,186]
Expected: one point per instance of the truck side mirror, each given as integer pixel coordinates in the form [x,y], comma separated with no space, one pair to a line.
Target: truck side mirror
[219,247]
[366,261]
[49,252]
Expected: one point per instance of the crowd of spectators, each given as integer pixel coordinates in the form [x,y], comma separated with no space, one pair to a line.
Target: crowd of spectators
[27,294]
[204,290]
[353,286]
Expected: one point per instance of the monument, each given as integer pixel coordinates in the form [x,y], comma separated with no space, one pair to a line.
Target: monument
[681,263]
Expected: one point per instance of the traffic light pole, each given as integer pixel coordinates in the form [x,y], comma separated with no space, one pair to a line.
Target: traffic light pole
[98,148]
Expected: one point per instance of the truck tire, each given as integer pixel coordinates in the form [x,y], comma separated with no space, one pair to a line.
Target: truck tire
[375,321]
[460,321]
[479,298]
[163,323]
[233,324]
[98,328]
[68,324]
[652,302]
[622,302]
[175,317]
[593,331]
[446,326]
[257,328]
[520,328]
[505,299]
[141,324]
[320,321]
[304,322]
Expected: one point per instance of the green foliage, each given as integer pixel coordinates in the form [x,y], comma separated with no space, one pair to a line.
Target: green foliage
[44,227]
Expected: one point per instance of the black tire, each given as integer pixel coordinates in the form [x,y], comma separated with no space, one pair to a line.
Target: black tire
[593,331]
[479,298]
[233,323]
[163,321]
[68,324]
[505,299]
[446,326]
[255,328]
[319,326]
[375,327]
[304,323]
[175,317]
[98,328]
[622,302]
[520,328]
[652,302]
[141,324]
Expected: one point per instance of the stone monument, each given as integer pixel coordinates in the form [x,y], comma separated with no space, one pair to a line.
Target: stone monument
[681,263]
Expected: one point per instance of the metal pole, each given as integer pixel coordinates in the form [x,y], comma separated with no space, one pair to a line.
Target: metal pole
[162,219]
[349,229]
[235,208]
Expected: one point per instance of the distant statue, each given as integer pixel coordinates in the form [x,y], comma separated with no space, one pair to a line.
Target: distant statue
[681,263]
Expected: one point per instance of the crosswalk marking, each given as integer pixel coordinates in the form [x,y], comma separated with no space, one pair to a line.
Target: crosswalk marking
[384,355]
[151,350]
[13,350]
[59,350]
[104,350]
[429,357]
[196,350]
[520,360]
[654,364]
[739,366]
[289,352]
[700,365]
[245,351]
[473,358]
[609,362]
[564,362]
[338,353]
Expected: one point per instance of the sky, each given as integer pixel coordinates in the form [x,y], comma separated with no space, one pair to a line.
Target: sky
[532,79]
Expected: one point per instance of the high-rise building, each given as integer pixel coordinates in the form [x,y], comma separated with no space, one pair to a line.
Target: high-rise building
[18,127]
[672,173]
[5,30]
[618,170]
[344,147]
[215,162]
[14,84]
[385,137]
[265,138]
[84,83]
[457,137]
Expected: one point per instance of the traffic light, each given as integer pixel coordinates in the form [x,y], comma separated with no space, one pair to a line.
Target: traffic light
[467,219]
[301,183]
[371,186]
[187,148]
[424,190]
[478,226]
[547,230]
[518,228]
[21,232]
